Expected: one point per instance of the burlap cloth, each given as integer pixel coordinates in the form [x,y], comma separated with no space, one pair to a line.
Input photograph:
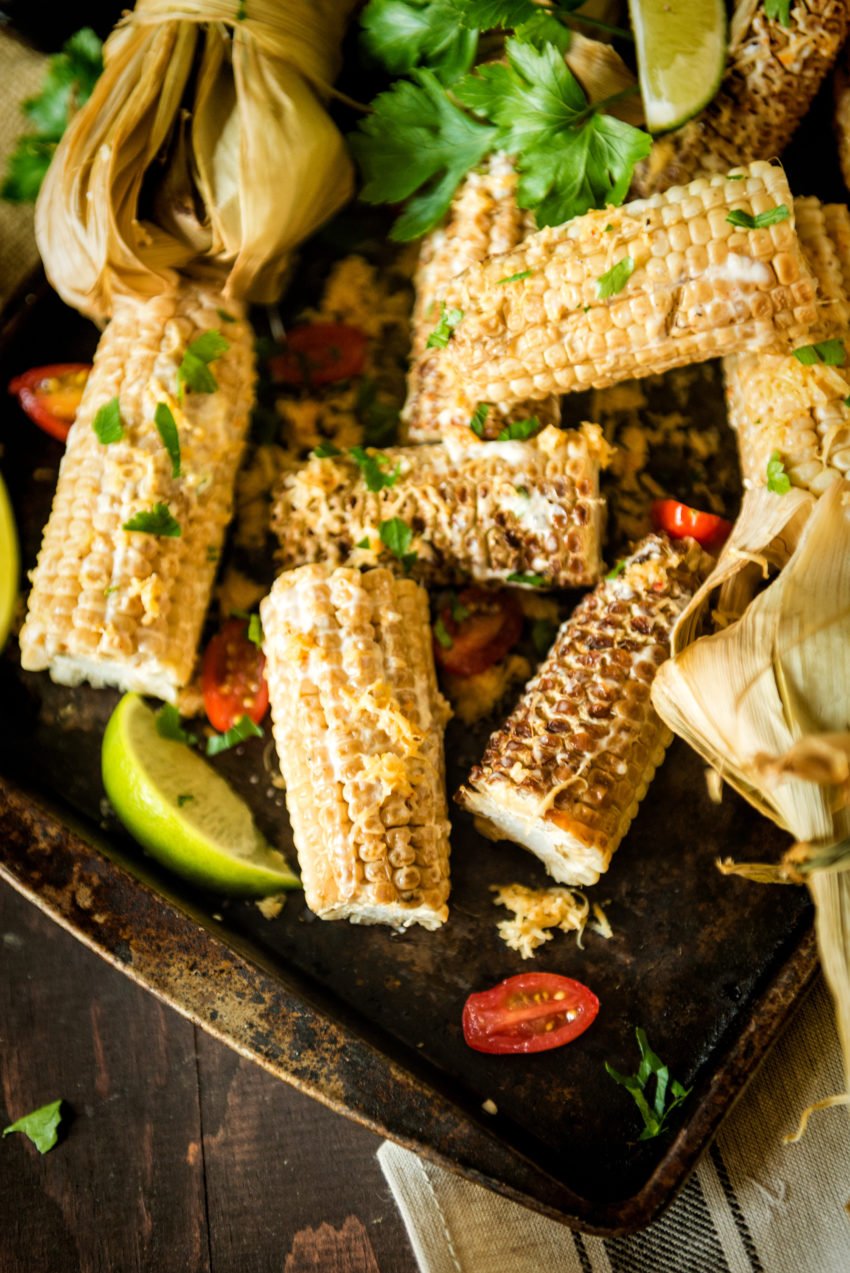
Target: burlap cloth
[754,1204]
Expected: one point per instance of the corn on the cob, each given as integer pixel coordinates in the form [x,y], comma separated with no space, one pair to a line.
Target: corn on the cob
[358,722]
[120,607]
[566,772]
[629,291]
[772,76]
[778,405]
[482,512]
[484,221]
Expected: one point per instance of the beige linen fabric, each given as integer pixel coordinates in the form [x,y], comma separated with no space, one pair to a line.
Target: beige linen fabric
[754,1204]
[21,71]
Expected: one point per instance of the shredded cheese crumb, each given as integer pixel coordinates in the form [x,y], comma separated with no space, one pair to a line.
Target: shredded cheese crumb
[270,907]
[537,912]
[489,1107]
[600,923]
[714,785]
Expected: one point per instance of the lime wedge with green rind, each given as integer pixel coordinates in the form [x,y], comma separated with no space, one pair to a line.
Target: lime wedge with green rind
[183,812]
[10,565]
[681,50]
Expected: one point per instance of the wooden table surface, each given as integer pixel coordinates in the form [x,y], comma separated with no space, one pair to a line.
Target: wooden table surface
[176,1153]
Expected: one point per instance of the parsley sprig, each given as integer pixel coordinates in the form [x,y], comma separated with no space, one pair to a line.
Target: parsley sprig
[41,1126]
[440,336]
[761,220]
[655,1115]
[519,430]
[831,353]
[396,536]
[375,468]
[168,726]
[238,733]
[107,422]
[155,521]
[194,371]
[778,480]
[166,427]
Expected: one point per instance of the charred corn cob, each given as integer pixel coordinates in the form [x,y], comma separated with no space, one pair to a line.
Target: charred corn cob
[119,606]
[482,512]
[566,772]
[795,411]
[629,291]
[358,721]
[772,76]
[484,221]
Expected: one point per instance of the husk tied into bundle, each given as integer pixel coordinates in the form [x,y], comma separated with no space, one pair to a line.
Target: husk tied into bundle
[205,148]
[766,700]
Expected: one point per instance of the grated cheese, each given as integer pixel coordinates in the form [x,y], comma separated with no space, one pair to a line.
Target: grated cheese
[536,913]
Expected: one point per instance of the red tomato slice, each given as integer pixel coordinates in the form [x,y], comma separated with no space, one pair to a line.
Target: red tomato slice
[51,395]
[319,354]
[681,522]
[532,1012]
[492,626]
[232,677]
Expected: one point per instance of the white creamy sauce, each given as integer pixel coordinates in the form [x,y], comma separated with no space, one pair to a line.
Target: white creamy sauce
[533,511]
[741,269]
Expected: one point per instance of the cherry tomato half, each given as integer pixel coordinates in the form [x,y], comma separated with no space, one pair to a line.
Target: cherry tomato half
[476,631]
[532,1012]
[319,354]
[51,395]
[232,677]
[681,522]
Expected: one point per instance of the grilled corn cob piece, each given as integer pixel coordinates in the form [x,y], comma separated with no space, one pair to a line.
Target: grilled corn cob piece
[484,221]
[482,512]
[778,405]
[629,291]
[772,76]
[120,607]
[566,772]
[358,721]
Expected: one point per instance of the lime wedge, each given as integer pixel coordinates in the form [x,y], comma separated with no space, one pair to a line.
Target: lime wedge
[184,814]
[681,56]
[10,565]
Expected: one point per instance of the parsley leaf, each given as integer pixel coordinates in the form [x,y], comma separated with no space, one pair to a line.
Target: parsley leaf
[778,480]
[107,422]
[168,726]
[416,139]
[761,220]
[479,418]
[654,1116]
[397,536]
[442,634]
[459,610]
[529,580]
[571,158]
[829,352]
[42,1126]
[71,75]
[402,34]
[255,630]
[615,279]
[515,278]
[440,336]
[225,317]
[778,11]
[543,633]
[519,430]
[543,28]
[244,728]
[374,469]
[325,451]
[155,521]
[616,570]
[193,372]
[166,427]
[363,543]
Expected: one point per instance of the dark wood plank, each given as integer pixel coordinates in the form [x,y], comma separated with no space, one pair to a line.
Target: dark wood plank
[285,1176]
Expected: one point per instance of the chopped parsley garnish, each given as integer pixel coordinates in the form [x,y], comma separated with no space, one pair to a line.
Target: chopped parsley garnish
[212,553]
[41,1126]
[379,419]
[654,1115]
[523,491]
[184,798]
[761,220]
[440,336]
[778,11]
[325,451]
[530,580]
[363,543]
[375,469]
[519,430]
[71,75]
[615,279]
[244,728]
[168,726]
[166,427]
[829,352]
[396,536]
[155,521]
[515,278]
[617,570]
[441,632]
[403,34]
[107,422]
[255,630]
[778,480]
[459,610]
[735,176]
[194,372]
[543,633]
[479,418]
[225,317]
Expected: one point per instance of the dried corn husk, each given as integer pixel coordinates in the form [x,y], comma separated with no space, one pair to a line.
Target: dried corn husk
[766,702]
[205,147]
[602,73]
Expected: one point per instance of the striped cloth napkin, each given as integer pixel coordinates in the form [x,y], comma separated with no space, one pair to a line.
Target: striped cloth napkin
[754,1204]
